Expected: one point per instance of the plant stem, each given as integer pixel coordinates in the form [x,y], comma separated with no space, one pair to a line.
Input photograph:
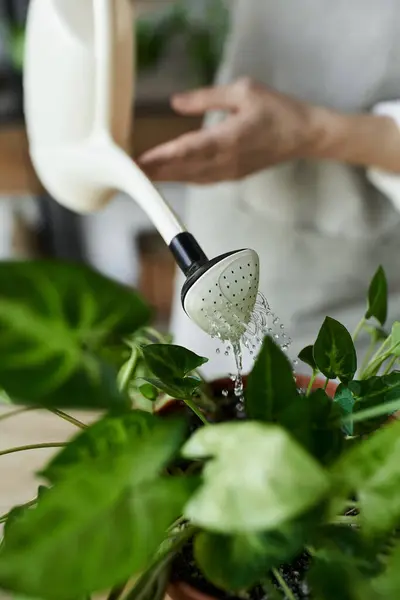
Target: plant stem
[376,364]
[378,358]
[117,592]
[129,371]
[196,410]
[390,365]
[358,329]
[368,354]
[283,584]
[326,383]
[374,411]
[4,518]
[67,417]
[346,520]
[310,385]
[31,447]
[18,411]
[147,579]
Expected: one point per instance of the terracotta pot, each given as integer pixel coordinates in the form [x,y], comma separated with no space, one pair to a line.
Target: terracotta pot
[183,591]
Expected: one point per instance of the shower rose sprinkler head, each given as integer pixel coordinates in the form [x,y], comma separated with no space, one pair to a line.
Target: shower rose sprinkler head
[219,294]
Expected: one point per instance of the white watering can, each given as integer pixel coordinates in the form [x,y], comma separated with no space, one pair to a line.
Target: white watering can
[78,93]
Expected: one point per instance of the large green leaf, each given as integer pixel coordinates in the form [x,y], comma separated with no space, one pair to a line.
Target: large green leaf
[99,525]
[271,386]
[334,351]
[169,362]
[370,470]
[104,438]
[378,297]
[55,318]
[257,478]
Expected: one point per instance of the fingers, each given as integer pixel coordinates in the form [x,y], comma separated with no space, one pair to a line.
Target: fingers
[198,157]
[199,101]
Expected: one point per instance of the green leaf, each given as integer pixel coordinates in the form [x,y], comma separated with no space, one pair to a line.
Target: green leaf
[370,470]
[179,389]
[272,593]
[169,362]
[387,585]
[149,392]
[235,562]
[238,562]
[379,392]
[378,333]
[347,543]
[100,525]
[307,356]
[255,479]
[103,439]
[395,335]
[314,421]
[55,319]
[378,297]
[270,386]
[334,579]
[345,399]
[334,351]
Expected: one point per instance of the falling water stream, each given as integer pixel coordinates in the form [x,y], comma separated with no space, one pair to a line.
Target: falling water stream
[262,322]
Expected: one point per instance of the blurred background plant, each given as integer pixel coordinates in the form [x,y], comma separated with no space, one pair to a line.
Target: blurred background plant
[201,25]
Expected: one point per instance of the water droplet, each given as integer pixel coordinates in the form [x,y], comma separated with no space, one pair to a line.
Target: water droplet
[251,352]
[226,353]
[285,347]
[276,336]
[295,362]
[275,321]
[269,329]
[228,348]
[218,351]
[225,393]
[282,327]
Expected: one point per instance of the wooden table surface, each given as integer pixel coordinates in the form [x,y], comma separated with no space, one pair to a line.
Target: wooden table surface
[17,176]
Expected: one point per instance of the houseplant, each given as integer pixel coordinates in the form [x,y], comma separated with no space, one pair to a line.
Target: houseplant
[299,499]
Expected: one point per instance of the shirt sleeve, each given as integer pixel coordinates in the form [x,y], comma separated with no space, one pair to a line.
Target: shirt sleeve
[387,183]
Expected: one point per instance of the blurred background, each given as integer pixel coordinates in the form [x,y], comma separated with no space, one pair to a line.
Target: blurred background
[179,43]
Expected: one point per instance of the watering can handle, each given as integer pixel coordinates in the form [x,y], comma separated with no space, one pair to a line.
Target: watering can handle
[104,47]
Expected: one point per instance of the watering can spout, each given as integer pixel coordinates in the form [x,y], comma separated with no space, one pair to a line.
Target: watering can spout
[78,81]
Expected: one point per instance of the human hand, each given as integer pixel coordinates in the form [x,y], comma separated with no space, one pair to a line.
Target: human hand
[262,128]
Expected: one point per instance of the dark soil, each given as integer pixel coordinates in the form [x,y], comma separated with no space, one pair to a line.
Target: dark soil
[185,569]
